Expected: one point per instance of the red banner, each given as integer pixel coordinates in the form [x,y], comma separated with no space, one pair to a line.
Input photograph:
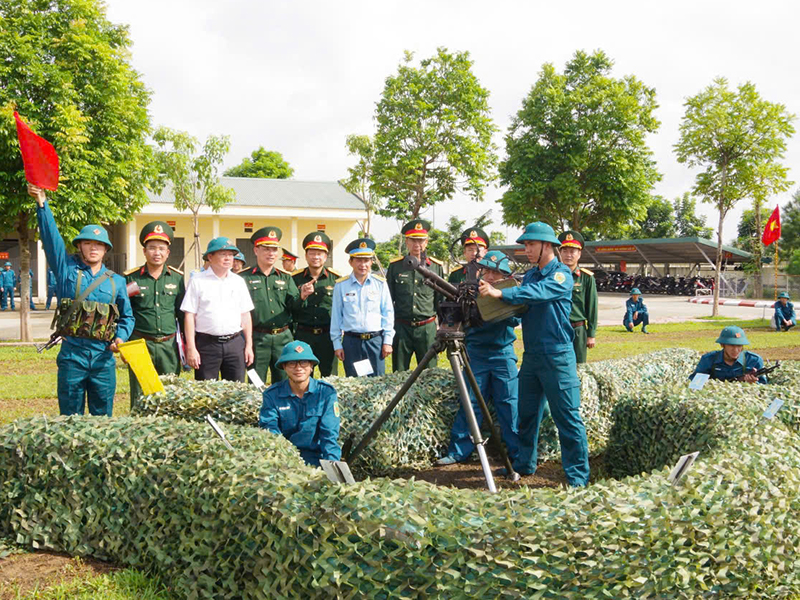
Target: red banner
[38,156]
[772,231]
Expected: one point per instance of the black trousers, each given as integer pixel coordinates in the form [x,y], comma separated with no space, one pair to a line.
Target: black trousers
[220,358]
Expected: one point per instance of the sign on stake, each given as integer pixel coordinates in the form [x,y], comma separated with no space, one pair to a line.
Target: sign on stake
[256,380]
[698,381]
[218,430]
[684,462]
[337,471]
[773,409]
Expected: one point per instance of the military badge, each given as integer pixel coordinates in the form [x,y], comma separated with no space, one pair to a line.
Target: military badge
[560,278]
[362,245]
[96,231]
[298,348]
[336,409]
[158,229]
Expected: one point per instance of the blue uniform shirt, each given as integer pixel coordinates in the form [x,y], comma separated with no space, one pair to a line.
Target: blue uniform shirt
[66,268]
[492,339]
[361,308]
[634,307]
[51,279]
[311,423]
[8,278]
[714,364]
[546,327]
[784,312]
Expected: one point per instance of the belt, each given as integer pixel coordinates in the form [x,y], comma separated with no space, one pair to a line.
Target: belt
[219,338]
[364,336]
[271,331]
[156,338]
[417,323]
[314,330]
[576,324]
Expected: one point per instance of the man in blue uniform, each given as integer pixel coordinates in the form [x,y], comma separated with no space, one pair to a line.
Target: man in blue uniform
[635,312]
[490,348]
[732,362]
[362,314]
[784,318]
[548,362]
[302,409]
[30,291]
[8,281]
[51,287]
[86,365]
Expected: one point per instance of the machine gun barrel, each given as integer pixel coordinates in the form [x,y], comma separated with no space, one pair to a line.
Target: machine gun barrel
[437,289]
[447,288]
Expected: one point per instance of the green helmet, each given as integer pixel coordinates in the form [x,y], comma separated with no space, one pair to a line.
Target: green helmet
[240,257]
[733,336]
[783,295]
[636,291]
[220,243]
[538,232]
[93,233]
[296,351]
[494,259]
[8,264]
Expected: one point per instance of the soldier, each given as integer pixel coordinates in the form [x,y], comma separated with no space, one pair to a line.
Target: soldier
[312,319]
[275,297]
[474,241]
[289,260]
[30,291]
[8,279]
[784,318]
[548,363]
[92,329]
[362,313]
[635,312]
[583,317]
[51,287]
[238,263]
[156,302]
[415,304]
[732,362]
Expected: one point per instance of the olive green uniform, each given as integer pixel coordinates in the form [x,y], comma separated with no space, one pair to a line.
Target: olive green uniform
[156,309]
[458,275]
[275,297]
[312,318]
[415,306]
[584,311]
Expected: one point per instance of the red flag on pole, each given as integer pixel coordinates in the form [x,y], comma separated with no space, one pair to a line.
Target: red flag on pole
[38,156]
[772,231]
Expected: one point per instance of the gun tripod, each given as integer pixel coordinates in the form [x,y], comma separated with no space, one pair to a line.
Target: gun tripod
[448,340]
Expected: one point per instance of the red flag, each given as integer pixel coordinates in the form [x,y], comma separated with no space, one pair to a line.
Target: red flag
[773,229]
[38,156]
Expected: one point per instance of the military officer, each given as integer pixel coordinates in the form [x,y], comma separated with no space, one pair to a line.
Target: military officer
[415,304]
[238,263]
[156,303]
[583,317]
[548,362]
[635,312]
[275,297]
[304,410]
[8,279]
[86,364]
[732,361]
[289,260]
[474,241]
[312,319]
[362,314]
[490,348]
[785,317]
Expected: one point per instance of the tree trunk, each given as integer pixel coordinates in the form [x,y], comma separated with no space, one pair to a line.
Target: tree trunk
[24,278]
[715,302]
[757,251]
[197,253]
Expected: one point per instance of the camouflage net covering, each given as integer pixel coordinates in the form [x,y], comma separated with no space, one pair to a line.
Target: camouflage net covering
[164,495]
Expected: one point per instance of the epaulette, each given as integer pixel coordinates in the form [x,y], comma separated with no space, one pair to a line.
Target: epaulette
[132,271]
[279,270]
[456,270]
[335,274]
[436,260]
[178,271]
[588,272]
[296,271]
[394,260]
[378,277]
[341,279]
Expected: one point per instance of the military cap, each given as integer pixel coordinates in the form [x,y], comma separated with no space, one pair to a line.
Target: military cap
[287,255]
[361,247]
[636,291]
[783,295]
[156,230]
[7,263]
[220,243]
[538,232]
[267,236]
[240,257]
[571,239]
[317,241]
[733,336]
[296,351]
[93,233]
[475,235]
[496,260]
[417,228]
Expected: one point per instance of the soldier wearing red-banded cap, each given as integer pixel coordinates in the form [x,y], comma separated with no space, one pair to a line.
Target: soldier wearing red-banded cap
[583,316]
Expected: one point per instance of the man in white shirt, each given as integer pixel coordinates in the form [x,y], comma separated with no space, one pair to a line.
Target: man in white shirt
[217,305]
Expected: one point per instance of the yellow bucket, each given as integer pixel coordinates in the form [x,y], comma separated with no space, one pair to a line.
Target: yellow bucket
[138,358]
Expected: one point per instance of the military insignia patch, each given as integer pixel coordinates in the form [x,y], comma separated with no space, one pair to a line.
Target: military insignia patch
[336,409]
[272,234]
[560,278]
[473,234]
[362,245]
[230,243]
[738,335]
[158,229]
[317,238]
[170,286]
[298,348]
[494,259]
[96,231]
[418,226]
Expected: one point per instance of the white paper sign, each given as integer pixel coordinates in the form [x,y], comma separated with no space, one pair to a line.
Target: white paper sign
[218,430]
[698,381]
[684,462]
[337,471]
[363,367]
[255,379]
[773,408]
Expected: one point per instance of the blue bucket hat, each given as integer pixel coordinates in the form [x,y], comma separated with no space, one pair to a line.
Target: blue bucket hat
[494,259]
[636,291]
[296,351]
[240,257]
[93,233]
[538,232]
[220,243]
[783,295]
[733,335]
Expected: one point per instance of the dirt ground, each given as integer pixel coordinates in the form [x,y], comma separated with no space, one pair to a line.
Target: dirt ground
[23,573]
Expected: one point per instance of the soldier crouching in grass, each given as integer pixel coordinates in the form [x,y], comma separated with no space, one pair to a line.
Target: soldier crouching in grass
[733,362]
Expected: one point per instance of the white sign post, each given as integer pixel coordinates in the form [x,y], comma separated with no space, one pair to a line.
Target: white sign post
[684,462]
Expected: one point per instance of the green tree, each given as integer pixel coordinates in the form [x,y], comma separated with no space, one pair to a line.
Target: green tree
[737,139]
[192,175]
[359,177]
[262,163]
[577,155]
[687,222]
[66,69]
[790,224]
[434,135]
[658,223]
[748,232]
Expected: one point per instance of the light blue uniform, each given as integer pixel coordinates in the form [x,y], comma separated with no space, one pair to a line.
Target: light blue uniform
[713,363]
[311,423]
[783,312]
[86,368]
[636,307]
[549,370]
[8,278]
[363,309]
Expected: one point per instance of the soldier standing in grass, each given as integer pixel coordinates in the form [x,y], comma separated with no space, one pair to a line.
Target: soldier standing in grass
[156,300]
[312,318]
[583,317]
[474,242]
[415,304]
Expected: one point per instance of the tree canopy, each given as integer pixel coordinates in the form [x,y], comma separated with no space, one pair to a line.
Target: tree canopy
[687,222]
[577,155]
[262,163]
[659,222]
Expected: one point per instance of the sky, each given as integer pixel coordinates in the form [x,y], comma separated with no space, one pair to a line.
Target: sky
[298,77]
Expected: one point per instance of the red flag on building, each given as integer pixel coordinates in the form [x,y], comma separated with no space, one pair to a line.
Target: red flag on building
[773,229]
[38,156]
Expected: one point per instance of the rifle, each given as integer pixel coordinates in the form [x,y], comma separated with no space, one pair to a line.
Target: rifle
[758,373]
[55,338]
